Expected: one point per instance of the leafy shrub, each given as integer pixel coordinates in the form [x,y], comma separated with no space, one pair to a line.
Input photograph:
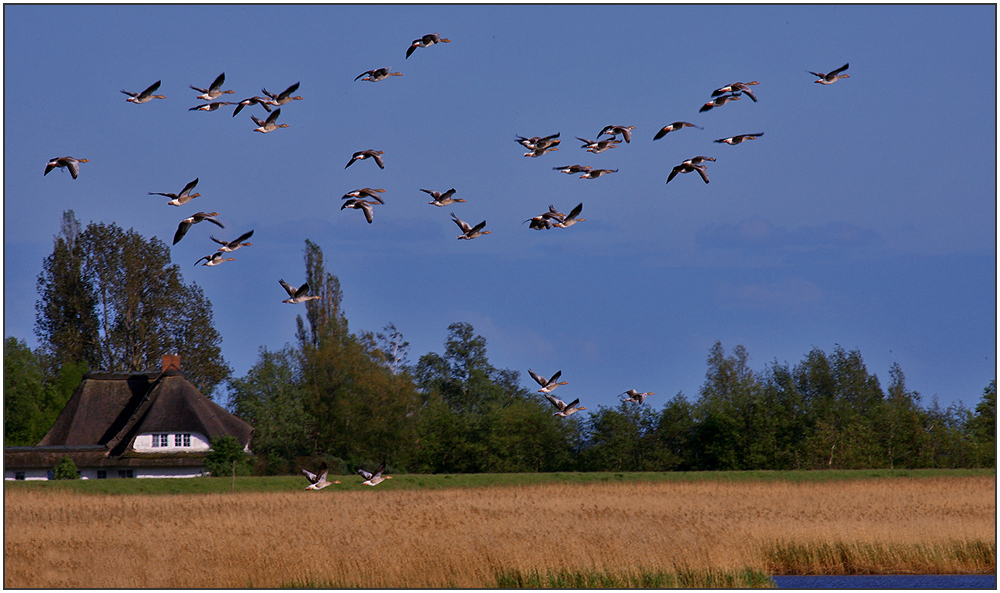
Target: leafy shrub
[226,450]
[66,470]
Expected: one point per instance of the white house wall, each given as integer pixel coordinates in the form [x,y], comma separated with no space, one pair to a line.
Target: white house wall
[90,473]
[144,443]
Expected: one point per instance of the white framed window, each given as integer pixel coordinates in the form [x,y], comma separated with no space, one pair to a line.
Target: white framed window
[102,474]
[182,440]
[160,440]
[125,473]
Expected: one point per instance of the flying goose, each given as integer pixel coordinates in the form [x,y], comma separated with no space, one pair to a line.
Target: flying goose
[571,169]
[737,88]
[146,95]
[468,231]
[547,384]
[636,397]
[733,140]
[364,154]
[283,97]
[376,478]
[564,409]
[544,221]
[366,192]
[595,173]
[197,217]
[297,295]
[625,131]
[832,77]
[210,106]
[718,102]
[318,482]
[213,91]
[538,142]
[214,259]
[268,125]
[377,75]
[572,218]
[182,198]
[234,244]
[674,126]
[442,199]
[425,41]
[597,146]
[265,103]
[537,152]
[65,161]
[687,167]
[359,204]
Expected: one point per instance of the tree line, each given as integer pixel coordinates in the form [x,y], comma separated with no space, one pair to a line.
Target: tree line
[356,399]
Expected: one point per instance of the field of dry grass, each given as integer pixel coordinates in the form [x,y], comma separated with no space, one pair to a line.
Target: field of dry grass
[467,537]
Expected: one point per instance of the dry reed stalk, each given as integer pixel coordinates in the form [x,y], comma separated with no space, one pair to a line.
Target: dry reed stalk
[466,537]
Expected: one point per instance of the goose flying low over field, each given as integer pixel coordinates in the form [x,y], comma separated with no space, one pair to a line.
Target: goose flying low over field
[425,41]
[213,92]
[548,385]
[365,192]
[374,479]
[366,154]
[595,173]
[625,131]
[317,482]
[210,106]
[674,126]
[282,97]
[182,198]
[297,295]
[197,217]
[442,199]
[146,95]
[832,77]
[733,140]
[571,219]
[265,103]
[468,231]
[72,164]
[377,74]
[636,397]
[235,244]
[363,205]
[737,88]
[268,126]
[718,102]
[214,259]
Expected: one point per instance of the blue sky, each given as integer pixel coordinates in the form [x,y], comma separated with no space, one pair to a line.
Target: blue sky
[864,217]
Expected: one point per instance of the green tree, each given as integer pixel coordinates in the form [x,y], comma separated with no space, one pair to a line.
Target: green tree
[361,409]
[66,321]
[674,436]
[731,417]
[123,305]
[270,399]
[22,394]
[983,427]
[226,456]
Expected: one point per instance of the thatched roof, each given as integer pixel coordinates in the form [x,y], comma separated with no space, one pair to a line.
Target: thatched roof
[109,410]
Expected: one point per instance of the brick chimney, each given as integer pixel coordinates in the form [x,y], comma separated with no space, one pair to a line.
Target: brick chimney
[171,362]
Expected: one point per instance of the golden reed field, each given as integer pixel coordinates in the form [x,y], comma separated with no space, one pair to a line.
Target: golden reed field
[465,537]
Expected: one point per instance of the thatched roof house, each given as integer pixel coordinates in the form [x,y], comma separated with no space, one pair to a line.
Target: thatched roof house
[130,425]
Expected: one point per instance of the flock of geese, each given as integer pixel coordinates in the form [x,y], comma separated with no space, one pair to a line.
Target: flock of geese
[366,199]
